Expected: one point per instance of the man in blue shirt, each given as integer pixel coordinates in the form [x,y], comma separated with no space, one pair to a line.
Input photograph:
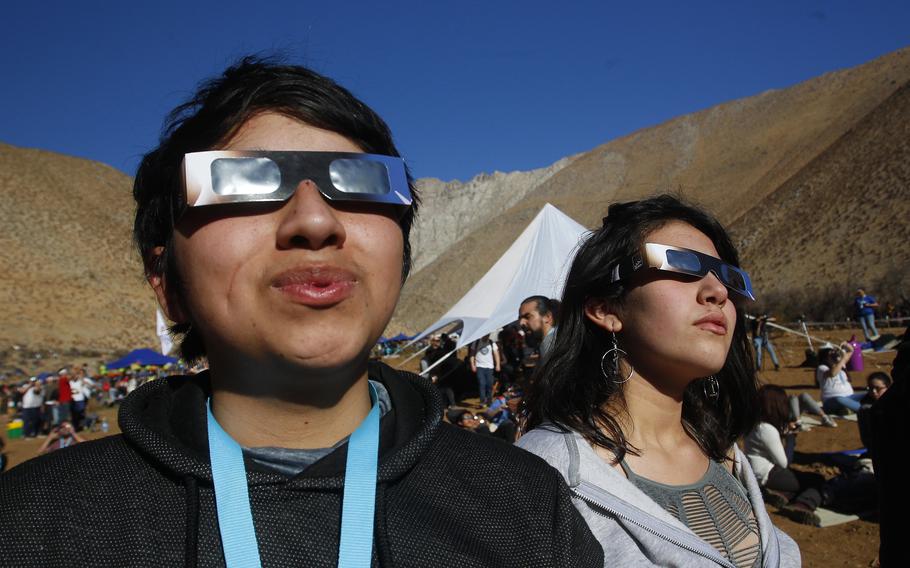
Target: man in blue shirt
[864,306]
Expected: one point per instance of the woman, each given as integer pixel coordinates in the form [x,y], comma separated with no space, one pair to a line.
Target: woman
[797,494]
[831,375]
[806,404]
[650,383]
[878,384]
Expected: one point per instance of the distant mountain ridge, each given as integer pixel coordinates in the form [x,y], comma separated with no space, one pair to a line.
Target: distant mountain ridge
[729,158]
[806,178]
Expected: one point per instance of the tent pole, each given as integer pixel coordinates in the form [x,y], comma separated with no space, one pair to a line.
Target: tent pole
[412,356]
[806,333]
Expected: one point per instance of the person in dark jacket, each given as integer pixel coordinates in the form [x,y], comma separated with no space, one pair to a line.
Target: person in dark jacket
[890,427]
[273,221]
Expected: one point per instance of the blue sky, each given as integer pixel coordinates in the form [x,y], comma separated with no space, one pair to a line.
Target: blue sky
[467,87]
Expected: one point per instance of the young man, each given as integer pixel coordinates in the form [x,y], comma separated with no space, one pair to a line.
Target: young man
[864,308]
[273,220]
[485,361]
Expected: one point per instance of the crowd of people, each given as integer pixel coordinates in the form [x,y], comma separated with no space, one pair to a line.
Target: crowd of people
[57,405]
[273,220]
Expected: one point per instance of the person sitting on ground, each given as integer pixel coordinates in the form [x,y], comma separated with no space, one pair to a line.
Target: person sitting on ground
[795,492]
[467,420]
[878,384]
[805,404]
[273,220]
[831,376]
[60,437]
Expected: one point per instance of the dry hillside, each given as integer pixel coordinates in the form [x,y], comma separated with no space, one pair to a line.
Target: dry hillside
[70,277]
[842,221]
[823,164]
[730,158]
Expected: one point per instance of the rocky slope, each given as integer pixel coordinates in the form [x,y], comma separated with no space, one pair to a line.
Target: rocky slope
[451,210]
[71,279]
[729,158]
[812,180]
[841,222]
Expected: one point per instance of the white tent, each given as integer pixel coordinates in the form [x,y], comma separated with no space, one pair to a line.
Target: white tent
[536,263]
[161,330]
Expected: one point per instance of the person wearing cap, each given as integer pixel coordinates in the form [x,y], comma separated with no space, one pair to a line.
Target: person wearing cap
[273,219]
[32,404]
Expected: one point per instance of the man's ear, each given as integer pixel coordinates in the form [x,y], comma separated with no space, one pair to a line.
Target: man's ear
[601,314]
[154,273]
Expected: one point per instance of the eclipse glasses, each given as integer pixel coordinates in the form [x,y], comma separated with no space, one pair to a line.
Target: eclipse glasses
[683,261]
[240,176]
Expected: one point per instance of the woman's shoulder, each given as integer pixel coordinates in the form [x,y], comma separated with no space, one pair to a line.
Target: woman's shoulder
[546,440]
[767,429]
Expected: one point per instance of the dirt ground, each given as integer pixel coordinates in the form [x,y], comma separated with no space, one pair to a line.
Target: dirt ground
[852,544]
[849,544]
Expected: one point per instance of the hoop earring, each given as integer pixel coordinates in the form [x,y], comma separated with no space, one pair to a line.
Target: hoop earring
[711,388]
[615,350]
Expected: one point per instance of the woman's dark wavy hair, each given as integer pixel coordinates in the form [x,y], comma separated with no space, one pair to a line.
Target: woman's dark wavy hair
[773,406]
[210,118]
[569,389]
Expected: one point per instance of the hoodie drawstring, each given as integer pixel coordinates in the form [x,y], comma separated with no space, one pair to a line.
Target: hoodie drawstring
[191,493]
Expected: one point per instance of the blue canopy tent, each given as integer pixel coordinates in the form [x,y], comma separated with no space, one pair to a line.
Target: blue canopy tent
[400,337]
[141,357]
[43,376]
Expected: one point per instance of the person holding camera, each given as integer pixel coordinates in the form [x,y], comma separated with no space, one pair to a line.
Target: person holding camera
[32,403]
[836,391]
[60,437]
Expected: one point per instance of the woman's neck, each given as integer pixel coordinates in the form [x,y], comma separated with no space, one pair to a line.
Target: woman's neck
[654,415]
[300,410]
[653,426]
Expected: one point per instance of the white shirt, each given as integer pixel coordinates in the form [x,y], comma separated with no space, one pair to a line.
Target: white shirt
[82,389]
[483,357]
[838,385]
[765,450]
[32,398]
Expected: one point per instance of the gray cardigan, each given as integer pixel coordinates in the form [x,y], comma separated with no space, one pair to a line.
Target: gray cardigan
[634,530]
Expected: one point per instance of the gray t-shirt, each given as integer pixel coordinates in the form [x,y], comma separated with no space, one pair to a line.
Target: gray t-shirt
[292,461]
[547,344]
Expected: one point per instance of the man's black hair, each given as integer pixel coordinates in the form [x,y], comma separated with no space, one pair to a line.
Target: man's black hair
[210,118]
[541,304]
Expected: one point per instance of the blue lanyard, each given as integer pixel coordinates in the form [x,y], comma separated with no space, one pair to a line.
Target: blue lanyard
[232,499]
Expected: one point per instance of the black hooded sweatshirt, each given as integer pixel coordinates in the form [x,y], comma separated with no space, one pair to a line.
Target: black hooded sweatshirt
[445,497]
